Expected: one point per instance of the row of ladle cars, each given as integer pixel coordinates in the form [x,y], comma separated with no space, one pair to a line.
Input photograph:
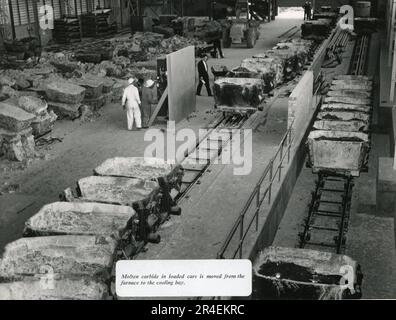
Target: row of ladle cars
[70,247]
[245,87]
[340,140]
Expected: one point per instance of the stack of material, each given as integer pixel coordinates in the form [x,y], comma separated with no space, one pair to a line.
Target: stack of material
[16,79]
[289,61]
[94,95]
[149,46]
[118,90]
[108,85]
[95,25]
[316,29]
[94,53]
[332,16]
[44,121]
[143,168]
[65,98]
[66,255]
[17,48]
[67,30]
[145,197]
[300,48]
[53,267]
[271,70]
[283,63]
[59,288]
[16,139]
[80,218]
[341,141]
[239,94]
[164,30]
[116,190]
[65,66]
[209,31]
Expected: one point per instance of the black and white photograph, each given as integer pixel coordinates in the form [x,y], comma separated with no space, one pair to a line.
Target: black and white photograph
[197,155]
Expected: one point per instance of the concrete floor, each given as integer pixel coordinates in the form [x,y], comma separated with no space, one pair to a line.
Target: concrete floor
[86,145]
[215,204]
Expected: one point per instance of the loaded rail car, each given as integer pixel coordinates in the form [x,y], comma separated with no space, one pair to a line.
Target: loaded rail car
[98,220]
[289,273]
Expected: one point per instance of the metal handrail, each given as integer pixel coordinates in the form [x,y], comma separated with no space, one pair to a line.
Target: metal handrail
[255,195]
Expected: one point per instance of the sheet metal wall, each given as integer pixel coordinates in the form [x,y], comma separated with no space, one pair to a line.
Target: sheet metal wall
[181,83]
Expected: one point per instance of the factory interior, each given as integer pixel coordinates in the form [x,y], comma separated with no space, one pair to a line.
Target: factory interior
[299,95]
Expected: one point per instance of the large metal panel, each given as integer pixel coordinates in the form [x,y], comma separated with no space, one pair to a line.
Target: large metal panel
[301,105]
[181,83]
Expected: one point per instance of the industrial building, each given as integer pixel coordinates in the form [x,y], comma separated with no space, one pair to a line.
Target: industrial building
[184,130]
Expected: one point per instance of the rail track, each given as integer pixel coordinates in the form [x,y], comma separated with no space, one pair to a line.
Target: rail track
[326,225]
[207,150]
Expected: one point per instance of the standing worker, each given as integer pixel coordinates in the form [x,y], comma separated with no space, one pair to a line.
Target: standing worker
[131,103]
[203,76]
[309,13]
[307,10]
[149,98]
[217,47]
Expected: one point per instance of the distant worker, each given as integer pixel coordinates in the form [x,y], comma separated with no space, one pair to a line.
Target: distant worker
[307,10]
[140,85]
[203,75]
[149,97]
[217,48]
[310,11]
[131,103]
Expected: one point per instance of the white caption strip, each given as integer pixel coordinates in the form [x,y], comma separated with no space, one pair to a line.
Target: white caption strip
[183,278]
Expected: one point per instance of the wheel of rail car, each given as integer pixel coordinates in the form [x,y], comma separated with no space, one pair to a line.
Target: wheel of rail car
[154,237]
[250,38]
[175,211]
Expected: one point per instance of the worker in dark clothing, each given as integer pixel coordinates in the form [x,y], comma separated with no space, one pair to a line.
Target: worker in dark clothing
[149,98]
[307,10]
[203,73]
[217,48]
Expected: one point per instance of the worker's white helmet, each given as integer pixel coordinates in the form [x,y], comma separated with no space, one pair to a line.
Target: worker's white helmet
[149,83]
[131,80]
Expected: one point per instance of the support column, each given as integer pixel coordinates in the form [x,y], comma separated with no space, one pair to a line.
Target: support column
[36,19]
[12,22]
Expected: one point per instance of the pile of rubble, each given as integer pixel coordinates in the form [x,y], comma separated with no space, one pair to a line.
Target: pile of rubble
[149,45]
[72,86]
[21,120]
[77,243]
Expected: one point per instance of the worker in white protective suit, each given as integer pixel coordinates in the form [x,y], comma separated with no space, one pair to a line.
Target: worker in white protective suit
[131,103]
